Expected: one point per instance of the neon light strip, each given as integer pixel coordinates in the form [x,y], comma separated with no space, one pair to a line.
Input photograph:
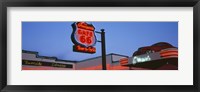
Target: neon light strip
[171,53]
[170,57]
[123,62]
[168,51]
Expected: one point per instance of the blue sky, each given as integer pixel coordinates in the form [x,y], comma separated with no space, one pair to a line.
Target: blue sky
[54,38]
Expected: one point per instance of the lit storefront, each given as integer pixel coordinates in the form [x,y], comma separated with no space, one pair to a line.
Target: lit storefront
[160,56]
[32,61]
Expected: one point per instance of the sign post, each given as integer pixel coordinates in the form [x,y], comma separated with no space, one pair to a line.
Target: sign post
[103,48]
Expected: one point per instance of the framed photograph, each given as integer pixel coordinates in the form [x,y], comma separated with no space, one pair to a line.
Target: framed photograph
[121,45]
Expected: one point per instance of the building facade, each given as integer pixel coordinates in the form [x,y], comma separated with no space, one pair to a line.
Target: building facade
[159,56]
[32,61]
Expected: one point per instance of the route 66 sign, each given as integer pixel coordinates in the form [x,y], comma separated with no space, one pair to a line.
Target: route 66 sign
[83,37]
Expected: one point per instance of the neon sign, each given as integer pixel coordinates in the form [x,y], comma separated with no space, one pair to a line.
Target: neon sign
[141,59]
[50,64]
[83,37]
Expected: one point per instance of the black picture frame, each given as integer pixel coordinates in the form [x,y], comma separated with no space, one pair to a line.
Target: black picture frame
[100,3]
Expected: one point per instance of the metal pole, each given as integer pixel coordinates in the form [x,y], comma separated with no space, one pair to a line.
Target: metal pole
[103,48]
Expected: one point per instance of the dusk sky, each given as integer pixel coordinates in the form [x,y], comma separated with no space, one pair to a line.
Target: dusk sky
[54,38]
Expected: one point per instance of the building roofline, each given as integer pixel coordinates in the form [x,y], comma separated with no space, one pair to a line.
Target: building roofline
[47,57]
[56,59]
[101,56]
[89,59]
[118,54]
[31,52]
[72,61]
